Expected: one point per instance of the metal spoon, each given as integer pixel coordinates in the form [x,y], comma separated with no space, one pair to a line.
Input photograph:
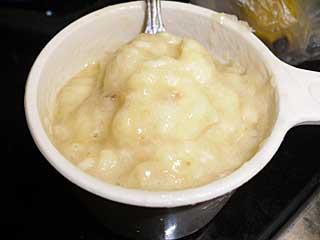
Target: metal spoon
[154,19]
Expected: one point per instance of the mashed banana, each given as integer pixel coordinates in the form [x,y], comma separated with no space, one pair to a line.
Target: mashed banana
[161,113]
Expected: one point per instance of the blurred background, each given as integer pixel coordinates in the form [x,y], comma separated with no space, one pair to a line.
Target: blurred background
[290,28]
[36,202]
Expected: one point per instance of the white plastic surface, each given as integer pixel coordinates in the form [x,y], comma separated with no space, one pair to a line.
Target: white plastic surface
[85,40]
[304,96]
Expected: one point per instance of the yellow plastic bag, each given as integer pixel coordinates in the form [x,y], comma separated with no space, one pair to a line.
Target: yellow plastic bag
[290,28]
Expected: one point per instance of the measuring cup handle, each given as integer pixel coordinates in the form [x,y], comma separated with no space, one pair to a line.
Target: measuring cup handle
[306,102]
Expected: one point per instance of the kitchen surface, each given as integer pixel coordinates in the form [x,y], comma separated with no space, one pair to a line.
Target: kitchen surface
[281,202]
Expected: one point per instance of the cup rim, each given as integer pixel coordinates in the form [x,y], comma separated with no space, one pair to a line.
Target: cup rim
[139,197]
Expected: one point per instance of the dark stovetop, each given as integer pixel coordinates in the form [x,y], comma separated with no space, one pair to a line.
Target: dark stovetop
[36,201]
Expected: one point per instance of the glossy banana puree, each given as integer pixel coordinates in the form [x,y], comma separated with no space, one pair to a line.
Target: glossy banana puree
[161,113]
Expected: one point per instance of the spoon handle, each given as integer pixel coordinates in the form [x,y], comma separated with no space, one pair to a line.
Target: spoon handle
[154,19]
[303,92]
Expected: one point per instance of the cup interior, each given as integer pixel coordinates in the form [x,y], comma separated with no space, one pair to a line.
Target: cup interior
[87,39]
